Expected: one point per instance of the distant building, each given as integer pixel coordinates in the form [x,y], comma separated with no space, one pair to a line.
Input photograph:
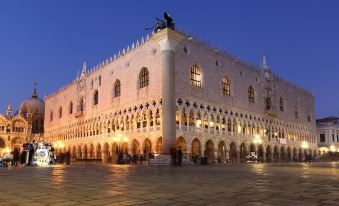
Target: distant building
[26,125]
[170,90]
[328,134]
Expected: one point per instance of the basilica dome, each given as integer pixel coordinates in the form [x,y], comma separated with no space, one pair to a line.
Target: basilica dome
[33,105]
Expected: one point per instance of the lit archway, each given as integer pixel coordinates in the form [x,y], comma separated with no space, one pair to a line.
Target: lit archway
[196,147]
[182,144]
[243,152]
[221,152]
[158,146]
[209,151]
[233,152]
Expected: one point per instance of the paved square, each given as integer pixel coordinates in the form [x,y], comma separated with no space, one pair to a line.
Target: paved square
[233,184]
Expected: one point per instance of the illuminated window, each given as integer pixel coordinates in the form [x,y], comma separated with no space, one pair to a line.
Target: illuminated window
[195,76]
[250,94]
[226,84]
[117,88]
[143,78]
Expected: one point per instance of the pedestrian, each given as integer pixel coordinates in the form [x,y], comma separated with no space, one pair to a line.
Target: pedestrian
[173,153]
[141,159]
[16,156]
[179,156]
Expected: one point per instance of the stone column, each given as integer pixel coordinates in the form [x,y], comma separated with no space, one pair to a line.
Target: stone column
[168,39]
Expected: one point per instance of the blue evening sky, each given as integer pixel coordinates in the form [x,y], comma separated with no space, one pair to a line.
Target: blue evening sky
[48,41]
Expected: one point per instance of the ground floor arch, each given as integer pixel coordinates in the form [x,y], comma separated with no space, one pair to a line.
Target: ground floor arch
[209,151]
[2,143]
[221,152]
[243,152]
[181,143]
[233,152]
[159,145]
[269,153]
[196,147]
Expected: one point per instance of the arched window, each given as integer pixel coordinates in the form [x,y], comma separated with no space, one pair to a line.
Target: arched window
[268,103]
[117,88]
[70,108]
[250,94]
[95,97]
[281,104]
[60,112]
[81,105]
[51,116]
[226,84]
[99,79]
[196,76]
[143,78]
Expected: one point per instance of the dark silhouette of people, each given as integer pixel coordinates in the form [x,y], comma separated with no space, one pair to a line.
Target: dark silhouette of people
[179,156]
[16,156]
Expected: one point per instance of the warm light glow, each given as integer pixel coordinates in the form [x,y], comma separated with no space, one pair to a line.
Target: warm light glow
[239,129]
[332,148]
[198,123]
[304,145]
[275,134]
[257,139]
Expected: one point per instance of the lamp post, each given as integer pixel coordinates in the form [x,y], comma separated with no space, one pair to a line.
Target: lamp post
[257,140]
[119,140]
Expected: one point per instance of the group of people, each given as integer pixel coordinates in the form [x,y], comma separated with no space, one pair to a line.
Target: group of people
[125,158]
[31,154]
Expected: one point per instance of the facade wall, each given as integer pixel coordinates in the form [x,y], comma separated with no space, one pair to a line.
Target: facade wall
[330,133]
[14,131]
[136,115]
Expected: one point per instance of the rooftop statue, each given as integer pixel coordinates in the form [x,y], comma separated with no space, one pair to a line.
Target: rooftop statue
[161,24]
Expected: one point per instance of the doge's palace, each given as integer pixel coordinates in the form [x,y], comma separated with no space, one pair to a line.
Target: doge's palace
[171,90]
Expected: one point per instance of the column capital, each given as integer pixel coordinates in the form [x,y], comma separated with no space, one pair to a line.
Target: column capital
[167,39]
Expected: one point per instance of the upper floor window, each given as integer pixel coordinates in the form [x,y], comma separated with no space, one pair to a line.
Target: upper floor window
[281,104]
[95,97]
[226,84]
[196,76]
[99,79]
[81,105]
[322,137]
[143,78]
[51,116]
[268,103]
[60,112]
[251,94]
[70,108]
[117,88]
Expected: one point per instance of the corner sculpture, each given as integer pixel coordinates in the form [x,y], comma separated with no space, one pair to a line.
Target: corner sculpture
[161,24]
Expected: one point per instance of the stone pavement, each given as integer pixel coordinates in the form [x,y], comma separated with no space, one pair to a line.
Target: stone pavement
[232,184]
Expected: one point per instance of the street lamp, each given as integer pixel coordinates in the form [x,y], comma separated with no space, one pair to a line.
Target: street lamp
[304,145]
[257,140]
[332,148]
[119,139]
